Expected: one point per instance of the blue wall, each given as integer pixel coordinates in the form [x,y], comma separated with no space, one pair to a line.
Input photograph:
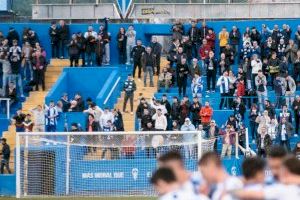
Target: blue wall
[144,31]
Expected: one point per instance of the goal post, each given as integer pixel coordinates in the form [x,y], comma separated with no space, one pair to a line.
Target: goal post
[98,164]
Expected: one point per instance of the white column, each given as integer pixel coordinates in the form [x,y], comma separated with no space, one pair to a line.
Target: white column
[199,145]
[18,168]
[68,166]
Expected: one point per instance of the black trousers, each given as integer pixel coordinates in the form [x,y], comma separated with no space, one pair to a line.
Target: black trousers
[62,46]
[74,60]
[135,65]
[297,119]
[55,49]
[157,64]
[39,78]
[122,55]
[5,163]
[224,100]
[211,80]
[82,55]
[296,75]
[181,83]
[99,59]
[126,98]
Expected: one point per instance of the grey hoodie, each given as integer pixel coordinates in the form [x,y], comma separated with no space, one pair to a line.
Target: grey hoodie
[6,67]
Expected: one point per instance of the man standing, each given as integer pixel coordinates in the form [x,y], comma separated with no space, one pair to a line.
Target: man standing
[156,49]
[223,83]
[261,86]
[63,32]
[194,37]
[136,54]
[5,156]
[51,117]
[149,65]
[53,33]
[296,109]
[130,34]
[129,88]
[285,129]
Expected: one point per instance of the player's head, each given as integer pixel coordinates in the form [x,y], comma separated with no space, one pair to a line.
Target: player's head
[209,165]
[163,180]
[290,169]
[254,169]
[174,161]
[275,157]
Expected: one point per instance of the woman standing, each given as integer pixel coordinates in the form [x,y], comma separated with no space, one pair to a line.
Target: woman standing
[121,37]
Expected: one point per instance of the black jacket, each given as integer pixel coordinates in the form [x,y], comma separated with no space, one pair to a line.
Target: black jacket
[148,60]
[137,52]
[194,34]
[74,48]
[195,110]
[213,66]
[182,71]
[63,32]
[53,33]
[5,152]
[156,48]
[12,35]
[95,126]
[235,38]
[175,111]
[129,86]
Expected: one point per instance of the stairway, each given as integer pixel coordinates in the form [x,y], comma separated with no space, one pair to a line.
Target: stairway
[35,98]
[146,92]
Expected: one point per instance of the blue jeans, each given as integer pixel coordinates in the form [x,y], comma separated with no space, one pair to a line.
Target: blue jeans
[90,58]
[18,78]
[28,65]
[6,78]
[262,96]
[106,56]
[128,51]
[149,69]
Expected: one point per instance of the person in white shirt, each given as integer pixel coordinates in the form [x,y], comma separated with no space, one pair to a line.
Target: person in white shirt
[223,83]
[39,119]
[94,110]
[287,189]
[105,117]
[161,122]
[256,65]
[156,104]
[210,166]
[189,183]
[51,115]
[130,42]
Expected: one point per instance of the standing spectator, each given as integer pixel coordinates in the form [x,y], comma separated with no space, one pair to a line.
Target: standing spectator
[290,89]
[223,83]
[149,65]
[90,48]
[74,50]
[296,109]
[156,50]
[39,65]
[175,109]
[274,63]
[5,152]
[28,123]
[203,32]
[285,129]
[264,142]
[12,35]
[195,110]
[229,54]
[51,116]
[261,87]
[82,44]
[39,119]
[15,61]
[188,137]
[164,80]
[193,34]
[129,88]
[105,118]
[253,114]
[206,113]
[160,119]
[182,72]
[103,31]
[224,64]
[255,35]
[270,108]
[297,67]
[256,65]
[184,110]
[285,113]
[279,86]
[296,151]
[137,53]
[54,39]
[122,38]
[195,68]
[197,87]
[63,32]
[235,37]
[223,37]
[26,60]
[213,133]
[297,36]
[204,51]
[263,121]
[130,42]
[187,48]
[291,52]
[286,33]
[173,51]
[211,72]
[228,141]
[211,38]
[100,50]
[19,119]
[92,126]
[6,71]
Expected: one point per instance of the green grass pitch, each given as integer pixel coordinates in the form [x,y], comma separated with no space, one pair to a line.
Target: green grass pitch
[83,198]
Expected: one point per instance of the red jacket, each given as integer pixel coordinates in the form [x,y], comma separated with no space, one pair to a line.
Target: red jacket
[240,90]
[211,38]
[204,51]
[206,114]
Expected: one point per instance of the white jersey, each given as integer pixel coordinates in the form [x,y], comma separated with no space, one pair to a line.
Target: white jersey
[282,192]
[182,195]
[231,183]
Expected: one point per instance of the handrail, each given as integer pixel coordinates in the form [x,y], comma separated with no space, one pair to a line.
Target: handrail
[112,89]
[7,106]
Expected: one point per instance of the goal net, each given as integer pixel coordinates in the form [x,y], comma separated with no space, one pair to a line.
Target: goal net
[81,164]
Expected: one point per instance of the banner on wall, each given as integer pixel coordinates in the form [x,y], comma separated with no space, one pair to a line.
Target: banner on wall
[124,6]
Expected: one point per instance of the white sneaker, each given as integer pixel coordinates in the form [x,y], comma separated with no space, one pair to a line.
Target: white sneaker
[131,113]
[140,80]
[127,63]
